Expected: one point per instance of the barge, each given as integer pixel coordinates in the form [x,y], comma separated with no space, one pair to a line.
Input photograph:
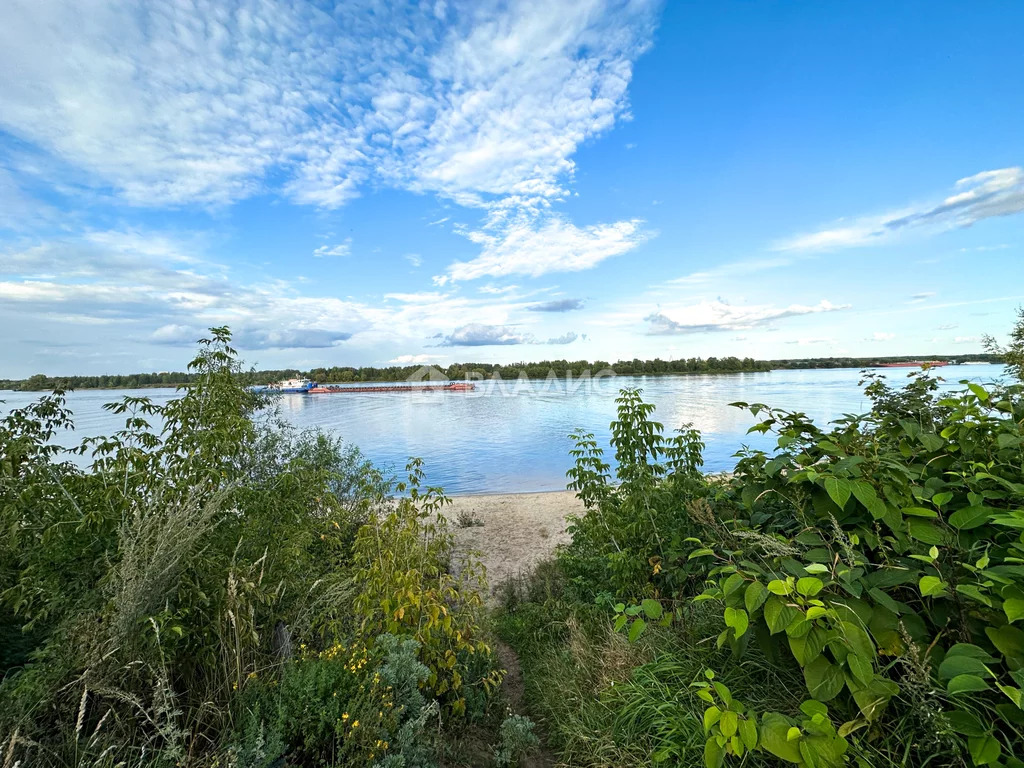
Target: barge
[336,390]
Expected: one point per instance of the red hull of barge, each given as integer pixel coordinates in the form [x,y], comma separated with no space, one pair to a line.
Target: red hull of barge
[913,364]
[458,387]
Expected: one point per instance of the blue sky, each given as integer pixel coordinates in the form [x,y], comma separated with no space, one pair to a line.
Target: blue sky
[445,181]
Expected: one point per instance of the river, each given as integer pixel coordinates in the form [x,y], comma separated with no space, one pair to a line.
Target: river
[513,436]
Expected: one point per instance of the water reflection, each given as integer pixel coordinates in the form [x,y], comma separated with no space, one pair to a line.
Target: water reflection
[513,436]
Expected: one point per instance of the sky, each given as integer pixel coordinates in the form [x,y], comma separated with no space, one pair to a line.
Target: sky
[375,183]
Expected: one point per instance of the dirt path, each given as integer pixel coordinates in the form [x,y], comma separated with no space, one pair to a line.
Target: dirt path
[512,532]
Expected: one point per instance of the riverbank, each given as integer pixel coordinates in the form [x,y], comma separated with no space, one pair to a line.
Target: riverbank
[512,532]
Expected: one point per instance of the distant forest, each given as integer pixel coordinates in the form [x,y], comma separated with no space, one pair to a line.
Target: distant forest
[339,374]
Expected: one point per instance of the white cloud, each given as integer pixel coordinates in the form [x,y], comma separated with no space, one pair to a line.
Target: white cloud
[804,342]
[975,198]
[207,101]
[341,249]
[967,340]
[720,316]
[882,336]
[525,246]
[414,259]
[480,335]
[413,359]
[924,296]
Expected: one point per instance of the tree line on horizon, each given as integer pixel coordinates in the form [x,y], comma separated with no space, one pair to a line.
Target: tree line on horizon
[539,370]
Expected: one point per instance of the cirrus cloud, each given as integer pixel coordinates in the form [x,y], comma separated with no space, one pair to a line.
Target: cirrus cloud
[708,316]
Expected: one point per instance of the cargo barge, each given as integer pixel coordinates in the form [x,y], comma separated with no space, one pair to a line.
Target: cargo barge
[913,364]
[335,390]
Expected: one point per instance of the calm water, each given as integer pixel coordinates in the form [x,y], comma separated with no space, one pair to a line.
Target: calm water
[512,436]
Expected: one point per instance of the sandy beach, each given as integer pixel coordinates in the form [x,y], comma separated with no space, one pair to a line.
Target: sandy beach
[513,531]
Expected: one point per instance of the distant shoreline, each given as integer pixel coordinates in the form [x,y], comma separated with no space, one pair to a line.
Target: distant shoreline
[811,364]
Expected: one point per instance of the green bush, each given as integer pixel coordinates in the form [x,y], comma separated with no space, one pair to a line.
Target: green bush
[203,594]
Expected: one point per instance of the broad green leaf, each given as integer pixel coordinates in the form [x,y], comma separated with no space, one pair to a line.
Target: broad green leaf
[952,666]
[969,517]
[931,586]
[838,490]
[984,750]
[966,684]
[652,608]
[824,679]
[978,390]
[636,629]
[778,587]
[754,596]
[941,498]
[926,531]
[714,754]
[1009,641]
[711,716]
[748,732]
[974,593]
[1014,609]
[866,495]
[857,640]
[778,615]
[809,586]
[966,723]
[774,728]
[729,723]
[738,620]
[862,669]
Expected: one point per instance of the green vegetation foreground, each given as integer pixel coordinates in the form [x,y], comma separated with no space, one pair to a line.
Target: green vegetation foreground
[855,596]
[231,593]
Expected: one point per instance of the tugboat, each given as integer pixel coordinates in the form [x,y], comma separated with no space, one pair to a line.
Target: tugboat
[286,387]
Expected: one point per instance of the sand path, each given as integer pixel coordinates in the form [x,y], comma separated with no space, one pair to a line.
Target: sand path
[516,531]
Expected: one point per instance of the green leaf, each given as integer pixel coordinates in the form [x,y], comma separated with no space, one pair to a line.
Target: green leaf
[974,593]
[862,669]
[754,596]
[809,586]
[652,608]
[866,495]
[1014,609]
[919,512]
[824,679]
[748,732]
[931,441]
[816,568]
[778,615]
[838,490]
[793,734]
[1009,641]
[711,716]
[978,390]
[931,586]
[966,684]
[774,728]
[636,629]
[926,531]
[857,640]
[778,587]
[969,517]
[942,498]
[952,666]
[738,620]
[966,723]
[729,723]
[984,750]
[714,754]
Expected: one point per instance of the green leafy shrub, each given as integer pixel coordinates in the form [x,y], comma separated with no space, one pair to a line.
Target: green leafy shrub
[190,598]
